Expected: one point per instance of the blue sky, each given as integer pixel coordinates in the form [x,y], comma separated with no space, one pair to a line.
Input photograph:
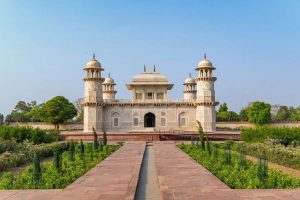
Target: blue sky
[254,44]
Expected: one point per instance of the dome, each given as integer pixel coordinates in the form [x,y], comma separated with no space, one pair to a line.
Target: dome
[109,81]
[92,64]
[205,63]
[189,80]
[150,77]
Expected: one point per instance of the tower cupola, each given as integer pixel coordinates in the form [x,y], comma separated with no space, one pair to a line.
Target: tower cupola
[109,89]
[189,92]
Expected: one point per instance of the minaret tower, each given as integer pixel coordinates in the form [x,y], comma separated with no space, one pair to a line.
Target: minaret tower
[109,91]
[189,92]
[205,112]
[93,96]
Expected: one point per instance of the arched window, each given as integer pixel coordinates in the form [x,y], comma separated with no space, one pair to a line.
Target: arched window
[182,119]
[115,119]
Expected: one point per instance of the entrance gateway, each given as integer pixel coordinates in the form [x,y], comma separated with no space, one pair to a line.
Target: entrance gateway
[149,120]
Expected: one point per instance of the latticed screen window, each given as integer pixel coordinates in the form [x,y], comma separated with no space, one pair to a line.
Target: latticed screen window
[149,95]
[163,121]
[160,95]
[135,121]
[138,95]
[116,122]
[182,122]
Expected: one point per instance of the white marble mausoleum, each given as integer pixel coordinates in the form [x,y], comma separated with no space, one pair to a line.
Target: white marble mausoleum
[149,109]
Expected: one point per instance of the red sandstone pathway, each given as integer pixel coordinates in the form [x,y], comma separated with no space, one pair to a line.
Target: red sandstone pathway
[114,178]
[180,177]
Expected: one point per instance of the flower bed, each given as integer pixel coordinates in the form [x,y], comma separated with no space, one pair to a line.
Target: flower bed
[237,172]
[65,169]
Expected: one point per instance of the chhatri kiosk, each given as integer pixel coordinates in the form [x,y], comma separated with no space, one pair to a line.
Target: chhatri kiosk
[149,109]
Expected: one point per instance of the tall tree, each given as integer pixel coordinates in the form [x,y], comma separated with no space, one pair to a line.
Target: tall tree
[1,119]
[295,113]
[283,114]
[57,110]
[224,115]
[259,113]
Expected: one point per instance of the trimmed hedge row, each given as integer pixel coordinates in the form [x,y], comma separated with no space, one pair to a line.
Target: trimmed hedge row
[33,135]
[285,136]
[9,160]
[286,156]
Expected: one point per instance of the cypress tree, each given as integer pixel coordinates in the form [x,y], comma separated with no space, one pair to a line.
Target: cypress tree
[36,169]
[104,138]
[200,134]
[81,150]
[208,146]
[95,140]
[57,160]
[71,151]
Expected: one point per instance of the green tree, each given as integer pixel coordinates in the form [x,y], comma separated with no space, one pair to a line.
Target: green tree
[57,111]
[96,144]
[224,115]
[259,113]
[223,108]
[243,115]
[57,160]
[200,135]
[295,113]
[1,119]
[36,169]
[283,114]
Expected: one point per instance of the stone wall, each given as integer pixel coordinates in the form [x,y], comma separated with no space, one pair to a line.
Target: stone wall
[63,127]
[235,125]
[79,126]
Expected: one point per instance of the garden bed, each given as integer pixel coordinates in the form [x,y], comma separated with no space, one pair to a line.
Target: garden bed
[237,172]
[66,168]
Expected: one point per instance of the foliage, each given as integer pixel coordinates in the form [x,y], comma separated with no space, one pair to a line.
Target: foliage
[22,133]
[71,151]
[239,176]
[36,169]
[57,111]
[287,156]
[259,113]
[283,114]
[295,114]
[57,160]
[1,119]
[104,140]
[81,150]
[96,144]
[224,115]
[259,134]
[200,135]
[24,153]
[22,112]
[53,179]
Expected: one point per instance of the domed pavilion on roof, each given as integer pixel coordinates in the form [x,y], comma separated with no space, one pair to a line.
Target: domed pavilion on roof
[149,109]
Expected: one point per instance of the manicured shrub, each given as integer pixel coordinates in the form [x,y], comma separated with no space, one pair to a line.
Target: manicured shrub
[237,177]
[34,136]
[284,135]
[96,144]
[81,150]
[50,178]
[57,160]
[71,151]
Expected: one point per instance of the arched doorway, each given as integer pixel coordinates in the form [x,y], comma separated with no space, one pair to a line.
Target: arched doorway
[149,120]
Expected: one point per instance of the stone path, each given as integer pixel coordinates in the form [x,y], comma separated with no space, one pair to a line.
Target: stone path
[148,188]
[180,177]
[167,173]
[114,178]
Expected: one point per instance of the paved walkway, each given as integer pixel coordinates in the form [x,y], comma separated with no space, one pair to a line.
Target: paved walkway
[114,178]
[180,177]
[148,187]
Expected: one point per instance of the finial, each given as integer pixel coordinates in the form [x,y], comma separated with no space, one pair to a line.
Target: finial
[108,75]
[94,57]
[190,75]
[154,68]
[145,68]
[205,56]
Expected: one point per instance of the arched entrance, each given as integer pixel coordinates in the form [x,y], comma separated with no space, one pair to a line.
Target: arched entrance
[149,120]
